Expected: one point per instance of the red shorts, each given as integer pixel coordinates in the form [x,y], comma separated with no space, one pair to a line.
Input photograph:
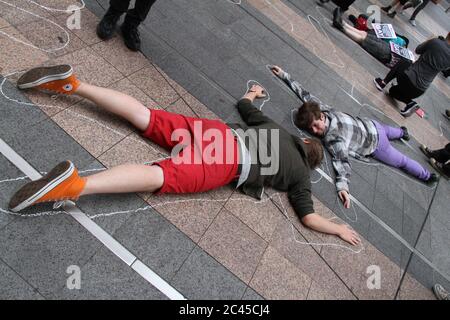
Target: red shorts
[190,170]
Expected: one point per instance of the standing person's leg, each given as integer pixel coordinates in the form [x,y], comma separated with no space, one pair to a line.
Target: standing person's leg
[387,154]
[393,73]
[399,68]
[107,26]
[418,9]
[140,11]
[133,18]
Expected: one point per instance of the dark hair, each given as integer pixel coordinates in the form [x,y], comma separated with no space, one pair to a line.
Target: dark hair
[306,114]
[314,153]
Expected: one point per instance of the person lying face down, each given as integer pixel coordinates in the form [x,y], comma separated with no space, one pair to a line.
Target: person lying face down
[344,135]
[378,48]
[291,158]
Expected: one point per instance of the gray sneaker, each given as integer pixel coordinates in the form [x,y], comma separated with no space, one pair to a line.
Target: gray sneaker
[413,22]
[440,292]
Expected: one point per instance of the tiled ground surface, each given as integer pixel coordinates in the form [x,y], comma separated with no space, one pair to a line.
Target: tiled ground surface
[197,59]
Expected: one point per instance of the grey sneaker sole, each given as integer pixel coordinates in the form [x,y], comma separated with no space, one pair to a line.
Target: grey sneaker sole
[41,75]
[33,191]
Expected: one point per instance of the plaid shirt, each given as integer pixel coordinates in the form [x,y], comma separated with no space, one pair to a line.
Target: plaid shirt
[344,136]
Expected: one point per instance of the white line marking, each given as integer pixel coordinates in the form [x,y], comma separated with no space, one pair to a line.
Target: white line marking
[112,244]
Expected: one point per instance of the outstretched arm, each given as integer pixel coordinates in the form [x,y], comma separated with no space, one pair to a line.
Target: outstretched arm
[320,224]
[249,113]
[294,85]
[300,199]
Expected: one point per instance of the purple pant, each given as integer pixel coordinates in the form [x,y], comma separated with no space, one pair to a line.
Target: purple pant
[387,154]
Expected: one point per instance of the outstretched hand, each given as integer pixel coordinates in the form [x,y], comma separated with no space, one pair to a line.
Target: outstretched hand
[277,71]
[349,235]
[345,198]
[258,91]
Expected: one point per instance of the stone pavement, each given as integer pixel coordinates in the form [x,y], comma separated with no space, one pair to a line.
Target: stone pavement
[198,58]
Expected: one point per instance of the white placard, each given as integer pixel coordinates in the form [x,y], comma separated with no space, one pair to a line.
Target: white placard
[384,30]
[401,51]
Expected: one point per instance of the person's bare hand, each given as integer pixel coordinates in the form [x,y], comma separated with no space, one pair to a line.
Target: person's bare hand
[345,198]
[258,90]
[277,71]
[349,235]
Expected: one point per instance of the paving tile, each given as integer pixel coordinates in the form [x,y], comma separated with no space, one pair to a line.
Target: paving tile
[8,171]
[44,145]
[318,292]
[19,12]
[261,216]
[234,245]
[181,107]
[127,87]
[132,149]
[411,289]
[94,129]
[53,38]
[51,104]
[199,108]
[41,249]
[152,83]
[352,269]
[156,242]
[13,287]
[124,60]
[251,295]
[178,88]
[201,277]
[17,56]
[426,274]
[106,277]
[277,278]
[293,247]
[191,213]
[87,33]
[90,67]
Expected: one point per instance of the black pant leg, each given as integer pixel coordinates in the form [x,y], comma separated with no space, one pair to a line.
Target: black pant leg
[396,70]
[343,4]
[139,12]
[442,155]
[418,9]
[404,91]
[120,6]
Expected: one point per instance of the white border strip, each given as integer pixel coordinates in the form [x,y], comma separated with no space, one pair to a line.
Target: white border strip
[112,244]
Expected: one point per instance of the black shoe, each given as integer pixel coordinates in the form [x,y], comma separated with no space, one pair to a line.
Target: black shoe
[131,36]
[386,9]
[392,14]
[107,26]
[406,136]
[433,180]
[337,19]
[439,168]
[379,83]
[447,114]
[426,151]
[410,109]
